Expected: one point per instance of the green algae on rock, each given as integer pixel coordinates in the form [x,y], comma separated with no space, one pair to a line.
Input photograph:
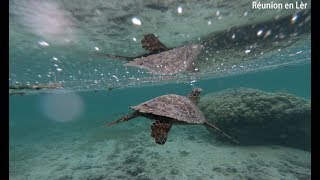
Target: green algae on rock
[256,117]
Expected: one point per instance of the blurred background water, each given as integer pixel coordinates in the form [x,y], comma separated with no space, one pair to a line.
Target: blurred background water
[60,134]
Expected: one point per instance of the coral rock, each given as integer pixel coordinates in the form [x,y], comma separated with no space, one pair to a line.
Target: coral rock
[255,117]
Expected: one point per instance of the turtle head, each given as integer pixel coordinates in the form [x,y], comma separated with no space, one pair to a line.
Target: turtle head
[151,43]
[195,95]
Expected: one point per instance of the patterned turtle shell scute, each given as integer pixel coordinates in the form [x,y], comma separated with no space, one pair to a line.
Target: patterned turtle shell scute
[173,106]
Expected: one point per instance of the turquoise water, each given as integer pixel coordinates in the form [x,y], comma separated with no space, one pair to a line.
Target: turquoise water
[42,148]
[254,69]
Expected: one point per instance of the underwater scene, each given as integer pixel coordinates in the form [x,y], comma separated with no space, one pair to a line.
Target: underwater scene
[144,90]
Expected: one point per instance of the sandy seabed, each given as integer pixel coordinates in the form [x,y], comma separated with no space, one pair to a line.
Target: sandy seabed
[127,151]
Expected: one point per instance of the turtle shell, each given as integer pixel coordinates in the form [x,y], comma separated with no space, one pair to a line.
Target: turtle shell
[173,61]
[173,106]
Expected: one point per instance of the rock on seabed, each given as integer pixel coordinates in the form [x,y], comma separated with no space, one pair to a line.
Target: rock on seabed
[255,117]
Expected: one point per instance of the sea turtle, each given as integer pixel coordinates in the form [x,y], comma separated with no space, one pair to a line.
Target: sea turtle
[162,60]
[167,110]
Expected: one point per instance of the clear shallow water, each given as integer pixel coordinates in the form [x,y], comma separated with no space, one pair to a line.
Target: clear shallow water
[46,148]
[62,135]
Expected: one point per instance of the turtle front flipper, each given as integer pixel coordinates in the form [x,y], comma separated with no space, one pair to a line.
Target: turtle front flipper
[151,43]
[159,131]
[219,130]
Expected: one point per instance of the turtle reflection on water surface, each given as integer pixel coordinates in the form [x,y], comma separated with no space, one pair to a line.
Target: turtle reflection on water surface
[162,60]
[167,110]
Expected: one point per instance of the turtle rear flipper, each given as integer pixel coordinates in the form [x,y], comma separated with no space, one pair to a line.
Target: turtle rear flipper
[111,56]
[151,43]
[159,131]
[124,118]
